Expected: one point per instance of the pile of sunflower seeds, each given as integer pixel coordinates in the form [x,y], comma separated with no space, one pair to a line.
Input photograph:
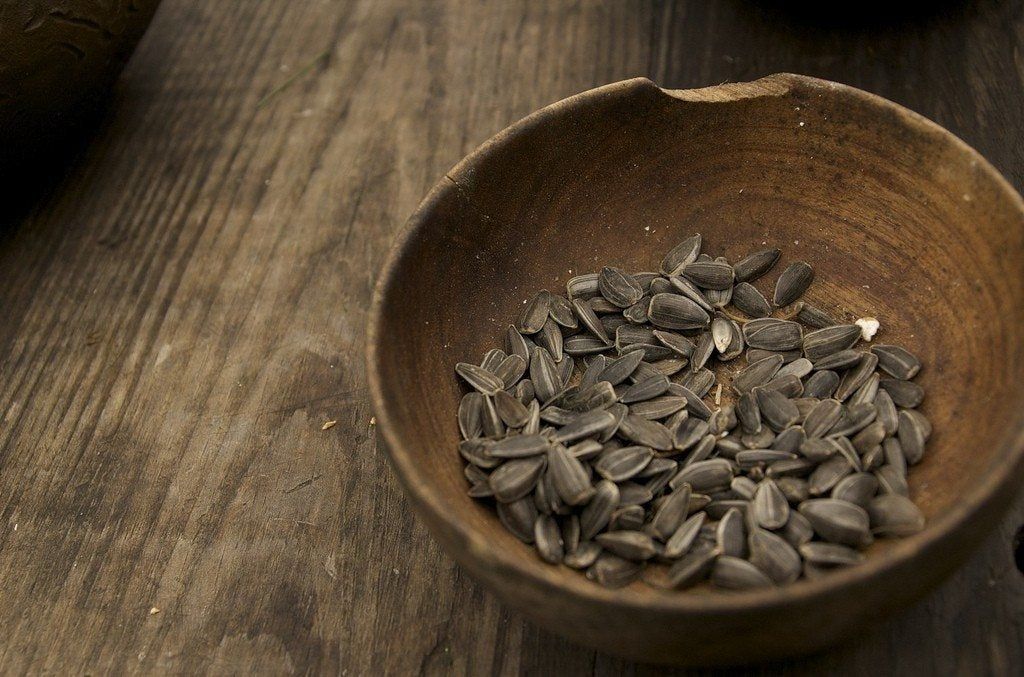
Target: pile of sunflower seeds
[591,434]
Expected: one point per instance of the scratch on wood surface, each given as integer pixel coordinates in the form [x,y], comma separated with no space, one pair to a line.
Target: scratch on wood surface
[322,56]
[304,483]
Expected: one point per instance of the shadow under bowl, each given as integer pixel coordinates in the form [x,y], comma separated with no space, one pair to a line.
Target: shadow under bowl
[901,220]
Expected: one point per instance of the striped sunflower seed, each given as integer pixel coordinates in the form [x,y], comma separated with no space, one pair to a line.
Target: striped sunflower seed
[589,319]
[866,392]
[869,437]
[886,412]
[750,301]
[757,374]
[515,479]
[714,275]
[770,507]
[602,306]
[799,367]
[694,404]
[689,433]
[632,545]
[621,464]
[858,489]
[699,382]
[797,467]
[592,374]
[730,534]
[582,286]
[585,555]
[778,336]
[896,361]
[855,418]
[733,573]
[856,376]
[510,370]
[821,419]
[637,313]
[795,490]
[645,433]
[570,479]
[565,368]
[892,481]
[630,516]
[671,513]
[492,359]
[519,517]
[755,265]
[722,420]
[675,342]
[612,571]
[683,253]
[598,512]
[581,344]
[548,539]
[560,310]
[748,413]
[659,407]
[535,313]
[587,424]
[646,389]
[682,286]
[470,408]
[837,521]
[893,453]
[759,440]
[812,316]
[705,347]
[516,344]
[797,530]
[790,439]
[828,474]
[670,366]
[547,382]
[774,556]
[757,354]
[550,338]
[619,287]
[716,510]
[821,343]
[906,394]
[793,282]
[679,543]
[894,515]
[479,378]
[692,568]
[510,410]
[743,487]
[701,451]
[830,554]
[777,410]
[492,423]
[519,446]
[821,384]
[844,359]
[619,369]
[672,311]
[704,476]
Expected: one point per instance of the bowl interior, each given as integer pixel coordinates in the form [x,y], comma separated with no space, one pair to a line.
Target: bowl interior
[900,220]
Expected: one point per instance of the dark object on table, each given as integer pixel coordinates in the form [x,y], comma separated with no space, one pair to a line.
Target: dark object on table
[897,213]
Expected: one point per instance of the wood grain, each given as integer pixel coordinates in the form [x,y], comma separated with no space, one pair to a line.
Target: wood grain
[184,306]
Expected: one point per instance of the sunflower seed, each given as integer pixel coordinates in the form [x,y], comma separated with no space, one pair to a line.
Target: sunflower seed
[570,479]
[679,543]
[698,383]
[492,359]
[598,511]
[873,458]
[692,568]
[514,479]
[750,301]
[658,407]
[857,489]
[602,306]
[592,374]
[588,318]
[871,436]
[748,458]
[894,515]
[797,530]
[757,264]
[855,418]
[776,410]
[622,464]
[799,367]
[906,394]
[774,556]
[720,298]
[637,313]
[893,455]
[474,474]
[759,440]
[629,517]
[830,554]
[779,335]
[821,384]
[683,253]
[587,424]
[855,377]
[545,377]
[866,392]
[797,467]
[911,437]
[837,521]
[701,451]
[550,338]
[812,316]
[821,343]
[493,426]
[581,344]
[770,507]
[922,422]
[694,404]
[744,487]
[896,361]
[510,370]
[612,571]
[669,366]
[671,311]
[511,410]
[891,481]
[519,446]
[565,368]
[548,539]
[790,439]
[535,313]
[675,342]
[795,489]
[730,535]
[847,451]
[714,275]
[479,378]
[475,451]
[844,359]
[619,287]
[828,474]
[689,433]
[705,347]
[821,419]
[586,554]
[515,344]
[704,476]
[886,412]
[793,282]
[757,354]
[619,369]
[722,420]
[632,545]
[748,413]
[582,286]
[733,573]
[646,389]
[818,449]
[470,407]
[757,374]
[519,517]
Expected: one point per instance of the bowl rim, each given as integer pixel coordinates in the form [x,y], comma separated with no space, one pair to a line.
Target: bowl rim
[505,562]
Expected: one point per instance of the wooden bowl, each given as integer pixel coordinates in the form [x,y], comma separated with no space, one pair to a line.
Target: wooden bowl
[57,61]
[902,221]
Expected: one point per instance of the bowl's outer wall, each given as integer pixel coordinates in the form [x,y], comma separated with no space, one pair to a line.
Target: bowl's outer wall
[901,221]
[58,59]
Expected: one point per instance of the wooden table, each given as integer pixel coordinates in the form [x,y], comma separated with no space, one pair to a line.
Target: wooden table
[184,309]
